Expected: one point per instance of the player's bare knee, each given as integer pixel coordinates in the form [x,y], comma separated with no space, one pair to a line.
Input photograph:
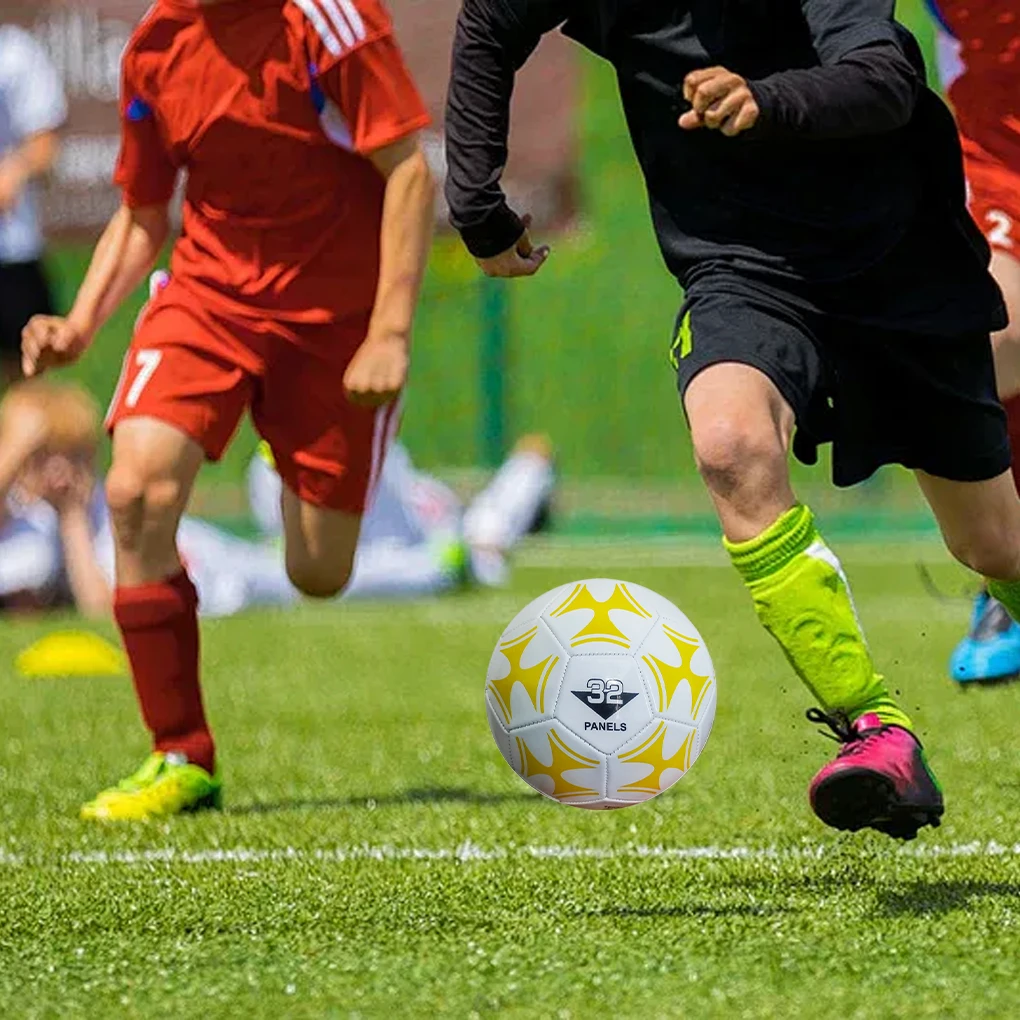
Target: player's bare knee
[125,497]
[319,580]
[992,555]
[733,457]
[141,506]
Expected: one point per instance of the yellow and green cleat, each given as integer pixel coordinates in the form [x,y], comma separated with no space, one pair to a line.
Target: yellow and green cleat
[166,784]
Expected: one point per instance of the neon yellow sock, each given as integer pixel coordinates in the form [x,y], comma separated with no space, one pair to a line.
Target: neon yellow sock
[1007,593]
[803,600]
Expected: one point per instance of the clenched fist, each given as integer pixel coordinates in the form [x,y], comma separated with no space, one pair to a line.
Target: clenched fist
[378,371]
[49,341]
[720,100]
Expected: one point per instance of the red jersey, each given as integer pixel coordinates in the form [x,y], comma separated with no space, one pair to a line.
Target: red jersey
[270,107]
[979,60]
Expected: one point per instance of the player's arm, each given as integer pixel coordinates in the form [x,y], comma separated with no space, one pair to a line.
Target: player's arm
[870,78]
[67,485]
[90,588]
[379,369]
[33,158]
[36,108]
[493,40]
[128,247]
[24,430]
[369,83]
[126,252]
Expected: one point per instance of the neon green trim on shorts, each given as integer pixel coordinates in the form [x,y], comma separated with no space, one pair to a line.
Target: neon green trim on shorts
[683,342]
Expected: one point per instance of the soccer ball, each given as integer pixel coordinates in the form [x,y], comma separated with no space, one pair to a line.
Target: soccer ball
[600,694]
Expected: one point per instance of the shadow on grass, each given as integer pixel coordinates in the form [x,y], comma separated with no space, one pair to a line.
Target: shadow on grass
[923,899]
[439,795]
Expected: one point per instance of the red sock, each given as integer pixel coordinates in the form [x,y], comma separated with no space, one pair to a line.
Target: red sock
[159,625]
[1012,407]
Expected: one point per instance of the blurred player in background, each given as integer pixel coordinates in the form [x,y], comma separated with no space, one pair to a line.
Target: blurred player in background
[807,192]
[49,434]
[417,539]
[307,221]
[32,108]
[979,63]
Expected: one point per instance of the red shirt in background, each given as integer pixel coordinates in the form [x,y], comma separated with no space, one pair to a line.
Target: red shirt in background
[979,61]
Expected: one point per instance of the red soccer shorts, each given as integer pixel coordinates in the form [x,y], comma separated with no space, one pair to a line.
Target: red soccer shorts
[200,372]
[994,188]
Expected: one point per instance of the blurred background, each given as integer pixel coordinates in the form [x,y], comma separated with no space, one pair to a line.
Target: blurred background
[579,353]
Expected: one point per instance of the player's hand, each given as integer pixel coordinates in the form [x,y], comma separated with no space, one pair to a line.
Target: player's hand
[523,259]
[49,341]
[720,100]
[67,485]
[378,371]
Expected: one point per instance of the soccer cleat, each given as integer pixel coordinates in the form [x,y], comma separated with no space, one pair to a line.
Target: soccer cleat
[879,780]
[991,649]
[166,784]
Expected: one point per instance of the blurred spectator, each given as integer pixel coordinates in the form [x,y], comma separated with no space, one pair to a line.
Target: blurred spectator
[56,546]
[32,108]
[49,435]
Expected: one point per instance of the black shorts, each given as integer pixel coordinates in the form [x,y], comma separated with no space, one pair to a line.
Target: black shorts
[24,292]
[880,396]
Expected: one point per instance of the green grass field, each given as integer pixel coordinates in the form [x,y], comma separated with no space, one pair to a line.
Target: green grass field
[377,858]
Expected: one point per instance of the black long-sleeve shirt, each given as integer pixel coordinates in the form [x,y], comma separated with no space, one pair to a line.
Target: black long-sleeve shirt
[849,145]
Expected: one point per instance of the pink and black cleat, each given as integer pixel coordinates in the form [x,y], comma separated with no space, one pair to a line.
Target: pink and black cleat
[879,780]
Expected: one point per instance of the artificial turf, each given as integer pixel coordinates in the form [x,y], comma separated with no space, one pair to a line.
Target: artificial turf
[377,856]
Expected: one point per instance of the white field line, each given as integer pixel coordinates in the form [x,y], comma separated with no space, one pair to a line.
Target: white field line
[468,852]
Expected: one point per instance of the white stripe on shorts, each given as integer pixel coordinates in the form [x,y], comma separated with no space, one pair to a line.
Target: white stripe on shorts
[387,421]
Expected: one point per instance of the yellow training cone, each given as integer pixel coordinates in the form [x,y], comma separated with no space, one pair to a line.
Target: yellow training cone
[71,653]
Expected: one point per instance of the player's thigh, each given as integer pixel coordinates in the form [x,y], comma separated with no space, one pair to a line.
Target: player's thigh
[746,373]
[183,370]
[995,204]
[1006,270]
[320,545]
[329,454]
[980,521]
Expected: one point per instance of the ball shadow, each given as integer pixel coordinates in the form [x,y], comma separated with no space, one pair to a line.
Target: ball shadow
[430,795]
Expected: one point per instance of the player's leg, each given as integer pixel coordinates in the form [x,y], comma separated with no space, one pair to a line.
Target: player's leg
[1006,343]
[741,428]
[980,522]
[742,416]
[991,648]
[319,544]
[175,407]
[394,556]
[509,507]
[328,453]
[156,608]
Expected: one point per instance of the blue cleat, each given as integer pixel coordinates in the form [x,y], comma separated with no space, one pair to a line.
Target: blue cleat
[991,650]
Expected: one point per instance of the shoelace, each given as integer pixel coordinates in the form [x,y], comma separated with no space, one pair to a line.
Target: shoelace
[843,732]
[839,722]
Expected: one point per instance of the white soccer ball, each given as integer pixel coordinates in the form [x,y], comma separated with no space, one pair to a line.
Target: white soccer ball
[600,694]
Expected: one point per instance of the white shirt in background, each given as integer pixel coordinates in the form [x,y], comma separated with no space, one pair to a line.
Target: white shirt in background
[31,100]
